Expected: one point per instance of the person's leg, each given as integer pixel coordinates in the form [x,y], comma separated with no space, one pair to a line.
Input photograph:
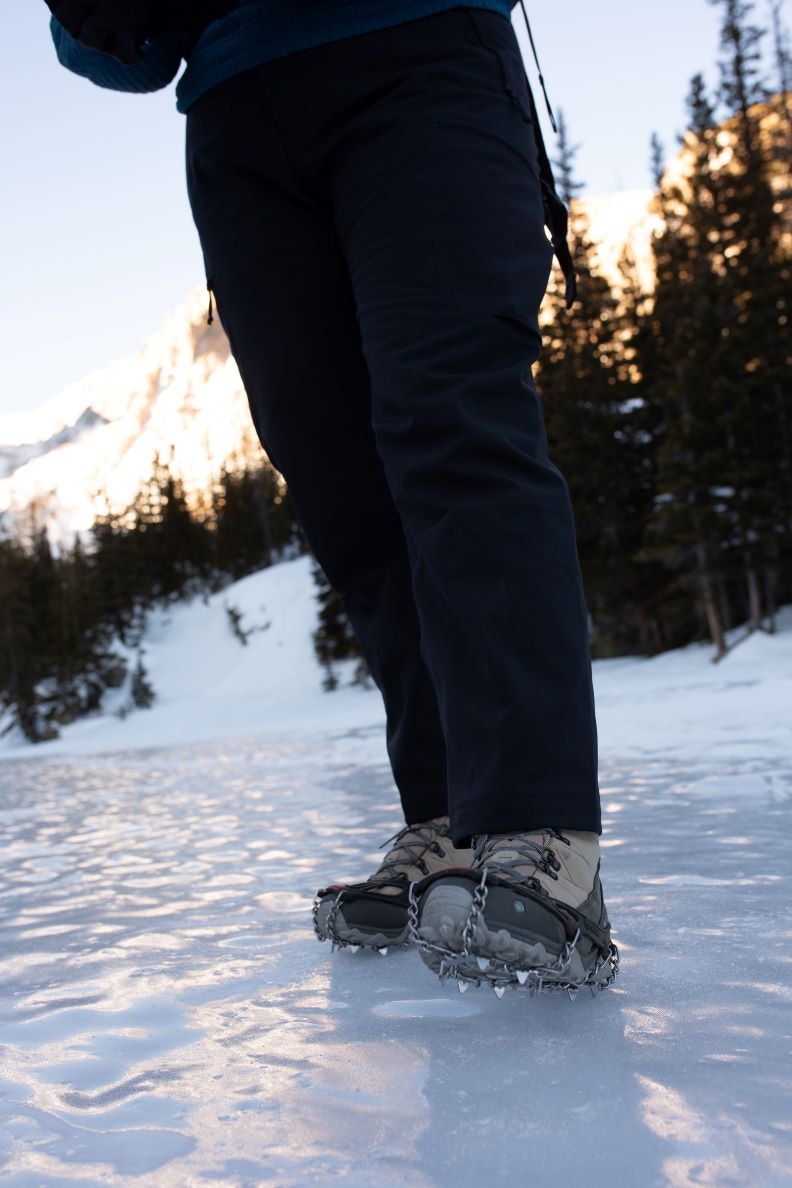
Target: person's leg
[284,299]
[421,138]
[437,200]
[437,196]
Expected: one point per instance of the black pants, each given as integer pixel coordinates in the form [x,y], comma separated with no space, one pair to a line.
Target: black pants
[370,217]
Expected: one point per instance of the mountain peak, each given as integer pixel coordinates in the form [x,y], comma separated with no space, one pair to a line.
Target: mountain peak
[180,396]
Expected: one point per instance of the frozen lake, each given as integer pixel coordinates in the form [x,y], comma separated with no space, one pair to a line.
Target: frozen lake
[167,1017]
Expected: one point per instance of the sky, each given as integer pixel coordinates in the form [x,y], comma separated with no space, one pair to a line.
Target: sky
[96,235]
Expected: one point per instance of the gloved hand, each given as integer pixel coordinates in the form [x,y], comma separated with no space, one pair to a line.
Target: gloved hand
[119,27]
[115,27]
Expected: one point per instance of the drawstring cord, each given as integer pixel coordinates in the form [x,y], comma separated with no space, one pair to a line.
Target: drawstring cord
[209,318]
[556,214]
[538,68]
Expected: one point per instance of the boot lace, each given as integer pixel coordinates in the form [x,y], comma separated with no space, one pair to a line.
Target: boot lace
[535,855]
[409,847]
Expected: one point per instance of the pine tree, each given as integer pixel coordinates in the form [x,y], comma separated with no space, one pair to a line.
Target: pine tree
[80,649]
[783,66]
[253,517]
[657,158]
[754,381]
[116,574]
[334,638]
[586,392]
[720,318]
[18,672]
[685,527]
[141,690]
[638,345]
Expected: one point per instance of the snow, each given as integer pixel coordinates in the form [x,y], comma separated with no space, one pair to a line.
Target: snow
[625,219]
[208,685]
[181,396]
[167,1016]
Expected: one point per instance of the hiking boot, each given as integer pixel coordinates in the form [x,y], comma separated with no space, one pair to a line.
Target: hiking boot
[530,912]
[373,914]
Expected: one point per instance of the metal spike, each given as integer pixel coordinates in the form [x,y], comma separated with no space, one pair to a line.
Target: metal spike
[383,952]
[499,990]
[522,976]
[353,948]
[463,986]
[483,962]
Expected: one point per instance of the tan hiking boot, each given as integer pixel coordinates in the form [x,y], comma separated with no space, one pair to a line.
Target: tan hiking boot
[530,912]
[562,865]
[373,914]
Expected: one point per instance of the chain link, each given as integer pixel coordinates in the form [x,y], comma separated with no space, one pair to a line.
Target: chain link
[474,915]
[331,932]
[540,978]
[338,942]
[412,914]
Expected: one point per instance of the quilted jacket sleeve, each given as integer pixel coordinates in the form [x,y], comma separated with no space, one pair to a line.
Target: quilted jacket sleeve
[157,67]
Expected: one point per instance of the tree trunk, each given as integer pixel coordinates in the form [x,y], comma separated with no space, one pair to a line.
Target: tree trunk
[265,521]
[754,599]
[707,589]
[770,571]
[724,604]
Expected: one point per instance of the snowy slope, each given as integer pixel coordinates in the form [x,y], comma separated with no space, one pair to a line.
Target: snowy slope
[209,685]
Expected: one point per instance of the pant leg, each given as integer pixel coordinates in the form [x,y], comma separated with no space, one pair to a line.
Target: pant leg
[437,200]
[284,299]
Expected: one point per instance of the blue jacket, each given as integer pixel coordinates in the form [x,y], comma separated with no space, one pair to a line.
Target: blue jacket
[257,31]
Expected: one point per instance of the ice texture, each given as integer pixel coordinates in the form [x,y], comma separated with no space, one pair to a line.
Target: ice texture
[167,1016]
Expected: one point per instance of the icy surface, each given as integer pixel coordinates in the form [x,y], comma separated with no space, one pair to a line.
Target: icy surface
[167,1017]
